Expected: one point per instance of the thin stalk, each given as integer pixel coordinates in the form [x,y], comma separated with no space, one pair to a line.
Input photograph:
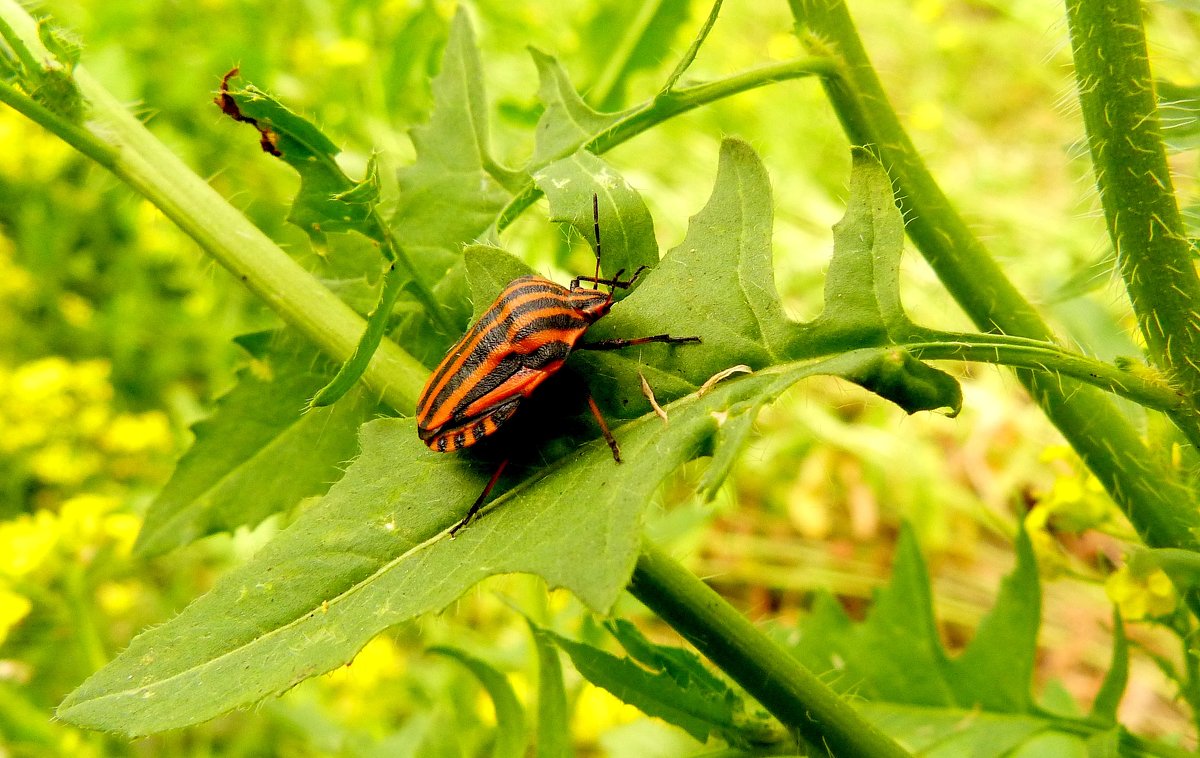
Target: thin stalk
[394,251]
[86,630]
[669,104]
[27,59]
[1120,113]
[1050,361]
[1159,505]
[792,693]
[689,56]
[74,135]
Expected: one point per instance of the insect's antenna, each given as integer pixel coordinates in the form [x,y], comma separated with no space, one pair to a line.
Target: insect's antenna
[596,229]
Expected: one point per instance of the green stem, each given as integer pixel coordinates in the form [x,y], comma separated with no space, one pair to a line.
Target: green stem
[1120,112]
[74,135]
[792,693]
[138,158]
[85,629]
[1160,506]
[31,64]
[1051,360]
[396,252]
[669,104]
[689,56]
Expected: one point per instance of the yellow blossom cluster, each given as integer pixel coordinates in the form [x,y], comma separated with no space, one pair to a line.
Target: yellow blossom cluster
[58,426]
[36,547]
[60,432]
[1141,594]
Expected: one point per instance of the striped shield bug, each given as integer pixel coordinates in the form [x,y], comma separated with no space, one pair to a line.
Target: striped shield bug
[521,340]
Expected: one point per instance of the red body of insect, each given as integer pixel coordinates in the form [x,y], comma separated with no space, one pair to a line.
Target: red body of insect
[518,343]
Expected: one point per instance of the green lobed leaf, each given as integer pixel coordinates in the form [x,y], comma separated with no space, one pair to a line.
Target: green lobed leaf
[510,716]
[692,676]
[895,663]
[377,323]
[656,694]
[374,552]
[995,672]
[258,454]
[47,75]
[453,191]
[682,666]
[723,266]
[567,123]
[862,286]
[951,732]
[328,200]
[895,655]
[733,434]
[627,239]
[62,44]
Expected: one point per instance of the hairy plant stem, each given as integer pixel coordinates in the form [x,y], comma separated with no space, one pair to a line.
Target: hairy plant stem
[1159,505]
[1120,112]
[1049,359]
[792,693]
[120,143]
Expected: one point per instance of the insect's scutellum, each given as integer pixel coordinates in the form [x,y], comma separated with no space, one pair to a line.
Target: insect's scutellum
[521,340]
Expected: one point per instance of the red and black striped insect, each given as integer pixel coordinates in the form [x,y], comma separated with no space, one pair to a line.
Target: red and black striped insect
[518,343]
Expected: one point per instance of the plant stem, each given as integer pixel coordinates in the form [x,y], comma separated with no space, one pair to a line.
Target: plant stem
[1120,112]
[137,157]
[87,632]
[75,136]
[396,252]
[669,104]
[1159,505]
[792,693]
[1050,360]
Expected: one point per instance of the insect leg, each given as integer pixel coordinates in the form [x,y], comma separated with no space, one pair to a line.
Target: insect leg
[608,437]
[596,228]
[487,490]
[616,344]
[613,282]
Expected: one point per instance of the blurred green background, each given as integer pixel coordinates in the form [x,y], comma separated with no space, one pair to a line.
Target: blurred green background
[115,336]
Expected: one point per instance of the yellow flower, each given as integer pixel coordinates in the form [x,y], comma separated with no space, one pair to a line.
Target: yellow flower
[379,661]
[116,598]
[1141,596]
[347,52]
[83,517]
[26,542]
[122,529]
[63,464]
[137,433]
[1076,502]
[15,282]
[76,310]
[13,608]
[597,711]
